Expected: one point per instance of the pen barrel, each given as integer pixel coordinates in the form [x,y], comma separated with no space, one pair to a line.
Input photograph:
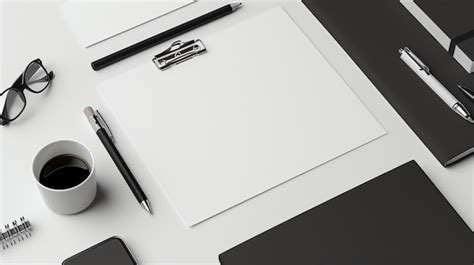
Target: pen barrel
[161,37]
[431,81]
[121,165]
[441,91]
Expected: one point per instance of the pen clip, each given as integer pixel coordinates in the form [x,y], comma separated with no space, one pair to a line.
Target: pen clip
[104,125]
[415,59]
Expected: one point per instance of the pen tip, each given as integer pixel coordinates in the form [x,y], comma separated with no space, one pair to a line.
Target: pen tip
[146,205]
[235,6]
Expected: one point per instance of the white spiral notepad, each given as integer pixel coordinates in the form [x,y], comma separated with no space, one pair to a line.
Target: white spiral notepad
[262,106]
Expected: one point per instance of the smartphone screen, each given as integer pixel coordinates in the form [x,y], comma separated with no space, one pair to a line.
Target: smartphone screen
[110,251]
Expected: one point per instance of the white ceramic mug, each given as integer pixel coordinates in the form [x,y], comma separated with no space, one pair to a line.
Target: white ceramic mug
[77,198]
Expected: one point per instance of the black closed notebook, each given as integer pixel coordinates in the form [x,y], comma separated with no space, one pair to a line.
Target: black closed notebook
[371,32]
[398,218]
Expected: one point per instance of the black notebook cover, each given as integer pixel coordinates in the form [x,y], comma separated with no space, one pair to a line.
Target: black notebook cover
[371,32]
[398,218]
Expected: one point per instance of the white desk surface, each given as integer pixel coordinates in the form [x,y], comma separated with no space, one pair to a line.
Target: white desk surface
[35,29]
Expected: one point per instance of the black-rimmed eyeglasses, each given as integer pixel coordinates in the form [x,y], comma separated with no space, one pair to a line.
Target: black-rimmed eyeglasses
[35,79]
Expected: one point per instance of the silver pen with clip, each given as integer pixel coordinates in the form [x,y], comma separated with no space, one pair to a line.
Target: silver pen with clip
[424,73]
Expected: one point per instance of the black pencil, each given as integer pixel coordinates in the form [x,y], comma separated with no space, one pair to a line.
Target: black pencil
[103,132]
[163,36]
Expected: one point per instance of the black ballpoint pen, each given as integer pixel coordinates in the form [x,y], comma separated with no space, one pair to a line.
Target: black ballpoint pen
[105,135]
[163,36]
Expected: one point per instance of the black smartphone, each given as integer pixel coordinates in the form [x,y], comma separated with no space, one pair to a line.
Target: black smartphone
[110,251]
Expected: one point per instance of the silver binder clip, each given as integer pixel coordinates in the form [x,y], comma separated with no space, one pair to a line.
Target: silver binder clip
[179,52]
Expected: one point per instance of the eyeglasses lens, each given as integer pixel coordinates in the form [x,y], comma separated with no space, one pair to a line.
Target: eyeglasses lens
[11,103]
[36,77]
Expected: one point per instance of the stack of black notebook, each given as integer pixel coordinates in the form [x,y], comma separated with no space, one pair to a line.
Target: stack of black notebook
[397,218]
[451,23]
[371,32]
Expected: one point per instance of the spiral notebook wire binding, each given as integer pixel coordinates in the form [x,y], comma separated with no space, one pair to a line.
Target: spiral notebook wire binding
[15,233]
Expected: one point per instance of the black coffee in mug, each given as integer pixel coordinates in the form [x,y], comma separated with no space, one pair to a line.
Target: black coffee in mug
[64,172]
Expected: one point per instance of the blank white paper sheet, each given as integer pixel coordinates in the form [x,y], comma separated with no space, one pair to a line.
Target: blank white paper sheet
[95,21]
[262,106]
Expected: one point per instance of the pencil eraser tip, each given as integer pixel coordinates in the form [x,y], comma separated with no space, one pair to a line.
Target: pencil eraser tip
[88,111]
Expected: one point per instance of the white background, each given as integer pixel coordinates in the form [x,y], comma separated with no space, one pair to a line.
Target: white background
[35,29]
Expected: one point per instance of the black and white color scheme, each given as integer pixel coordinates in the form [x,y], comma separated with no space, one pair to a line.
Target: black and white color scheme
[374,223]
[110,251]
[451,23]
[274,136]
[374,48]
[16,232]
